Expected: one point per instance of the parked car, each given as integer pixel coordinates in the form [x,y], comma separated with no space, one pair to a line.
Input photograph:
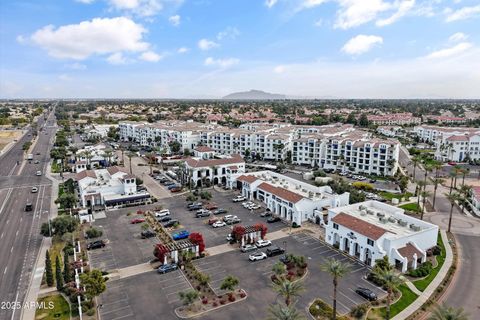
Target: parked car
[247,204]
[366,293]
[167,268]
[147,234]
[34,189]
[39,173]
[195,207]
[162,213]
[95,245]
[137,220]
[176,189]
[230,237]
[275,251]
[212,221]
[266,214]
[202,213]
[263,243]
[257,256]
[273,219]
[173,186]
[194,204]
[239,199]
[171,223]
[452,163]
[211,206]
[168,183]
[219,211]
[233,221]
[248,247]
[219,224]
[164,219]
[228,217]
[180,235]
[36,161]
[254,207]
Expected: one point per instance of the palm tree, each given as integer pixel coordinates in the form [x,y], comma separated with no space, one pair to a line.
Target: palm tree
[288,289]
[130,155]
[465,193]
[453,177]
[458,170]
[282,312]
[391,282]
[452,197]
[108,154]
[443,312]
[421,185]
[436,182]
[424,195]
[437,166]
[415,161]
[465,171]
[337,270]
[279,269]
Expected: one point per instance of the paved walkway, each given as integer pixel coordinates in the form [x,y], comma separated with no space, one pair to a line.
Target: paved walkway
[425,295]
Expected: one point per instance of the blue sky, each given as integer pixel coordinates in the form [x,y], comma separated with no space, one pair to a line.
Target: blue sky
[209,48]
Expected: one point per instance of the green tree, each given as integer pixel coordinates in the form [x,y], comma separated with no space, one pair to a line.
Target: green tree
[403,183]
[48,269]
[175,146]
[363,121]
[424,195]
[391,282]
[229,283]
[288,290]
[58,273]
[67,272]
[436,182]
[188,297]
[279,268]
[337,270]
[94,283]
[283,312]
[452,197]
[444,312]
[66,200]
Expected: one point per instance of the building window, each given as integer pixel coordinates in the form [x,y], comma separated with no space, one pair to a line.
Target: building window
[370,242]
[335,226]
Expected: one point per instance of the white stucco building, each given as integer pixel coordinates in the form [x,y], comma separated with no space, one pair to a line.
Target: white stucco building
[290,199]
[107,188]
[371,230]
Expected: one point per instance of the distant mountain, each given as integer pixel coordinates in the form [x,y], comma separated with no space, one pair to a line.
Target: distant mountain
[254,95]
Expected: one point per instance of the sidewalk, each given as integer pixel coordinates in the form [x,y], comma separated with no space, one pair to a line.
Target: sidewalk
[425,295]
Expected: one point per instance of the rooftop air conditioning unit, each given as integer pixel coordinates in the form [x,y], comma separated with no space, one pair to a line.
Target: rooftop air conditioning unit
[369,211]
[383,220]
[363,212]
[380,214]
[402,223]
[392,219]
[362,207]
[414,227]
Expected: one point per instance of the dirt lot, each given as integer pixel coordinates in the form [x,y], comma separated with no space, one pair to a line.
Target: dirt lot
[7,136]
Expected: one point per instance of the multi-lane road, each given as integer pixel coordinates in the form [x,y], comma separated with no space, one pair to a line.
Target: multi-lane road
[20,237]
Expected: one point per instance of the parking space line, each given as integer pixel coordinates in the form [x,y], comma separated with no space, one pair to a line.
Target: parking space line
[341,304]
[333,255]
[354,302]
[124,316]
[114,310]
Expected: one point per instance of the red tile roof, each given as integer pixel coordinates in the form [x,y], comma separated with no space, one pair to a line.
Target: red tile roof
[358,225]
[115,169]
[249,179]
[281,192]
[203,149]
[409,250]
[476,192]
[195,163]
[85,173]
[457,138]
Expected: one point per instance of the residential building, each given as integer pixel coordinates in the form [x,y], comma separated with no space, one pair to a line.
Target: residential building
[108,187]
[391,131]
[371,230]
[400,119]
[445,119]
[95,156]
[475,199]
[290,199]
[198,171]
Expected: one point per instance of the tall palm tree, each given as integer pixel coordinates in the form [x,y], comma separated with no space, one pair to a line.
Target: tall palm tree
[464,193]
[337,270]
[437,166]
[436,182]
[415,161]
[458,170]
[424,195]
[452,197]
[421,185]
[453,177]
[443,312]
[288,289]
[282,312]
[130,155]
[464,172]
[108,154]
[391,282]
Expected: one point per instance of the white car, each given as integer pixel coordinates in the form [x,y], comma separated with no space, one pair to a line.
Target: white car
[263,243]
[162,213]
[257,256]
[34,189]
[39,173]
[229,217]
[248,247]
[239,198]
[219,224]
[254,207]
[247,204]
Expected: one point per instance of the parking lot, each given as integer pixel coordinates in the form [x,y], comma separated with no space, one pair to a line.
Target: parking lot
[214,236]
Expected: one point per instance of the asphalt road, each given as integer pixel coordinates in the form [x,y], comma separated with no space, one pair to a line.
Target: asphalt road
[20,239]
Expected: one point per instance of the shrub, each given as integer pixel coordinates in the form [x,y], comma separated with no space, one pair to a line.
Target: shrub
[242,294]
[436,250]
[359,311]
[423,270]
[94,233]
[231,298]
[204,300]
[222,301]
[362,185]
[90,312]
[215,304]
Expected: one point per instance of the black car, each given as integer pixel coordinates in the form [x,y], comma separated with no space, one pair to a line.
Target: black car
[275,251]
[366,293]
[273,219]
[219,211]
[171,223]
[95,245]
[164,219]
[148,234]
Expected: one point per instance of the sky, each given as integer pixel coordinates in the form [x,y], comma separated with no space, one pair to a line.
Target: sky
[210,48]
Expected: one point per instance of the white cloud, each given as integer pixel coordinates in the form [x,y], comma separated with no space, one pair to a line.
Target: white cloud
[144,8]
[462,14]
[76,66]
[270,3]
[20,39]
[116,58]
[403,8]
[205,44]
[85,1]
[174,20]
[312,3]
[279,69]
[353,13]
[449,52]
[457,37]
[182,50]
[228,33]
[361,44]
[64,77]
[98,36]
[318,23]
[222,63]
[150,56]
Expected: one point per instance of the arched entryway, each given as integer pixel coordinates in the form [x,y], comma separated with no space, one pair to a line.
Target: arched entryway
[356,250]
[368,257]
[336,240]
[346,245]
[199,183]
[224,180]
[215,181]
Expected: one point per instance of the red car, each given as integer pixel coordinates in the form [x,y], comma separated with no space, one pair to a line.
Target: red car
[135,221]
[452,163]
[212,221]
[211,206]
[173,190]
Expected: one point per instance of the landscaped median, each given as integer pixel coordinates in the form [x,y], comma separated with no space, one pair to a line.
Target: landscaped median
[423,283]
[52,307]
[405,297]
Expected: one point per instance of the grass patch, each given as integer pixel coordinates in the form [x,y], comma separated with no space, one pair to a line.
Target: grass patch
[53,307]
[321,310]
[422,284]
[56,168]
[413,207]
[408,296]
[399,196]
[56,250]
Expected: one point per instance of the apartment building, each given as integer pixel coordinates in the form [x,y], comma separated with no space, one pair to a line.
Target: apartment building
[371,230]
[400,119]
[290,199]
[445,119]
